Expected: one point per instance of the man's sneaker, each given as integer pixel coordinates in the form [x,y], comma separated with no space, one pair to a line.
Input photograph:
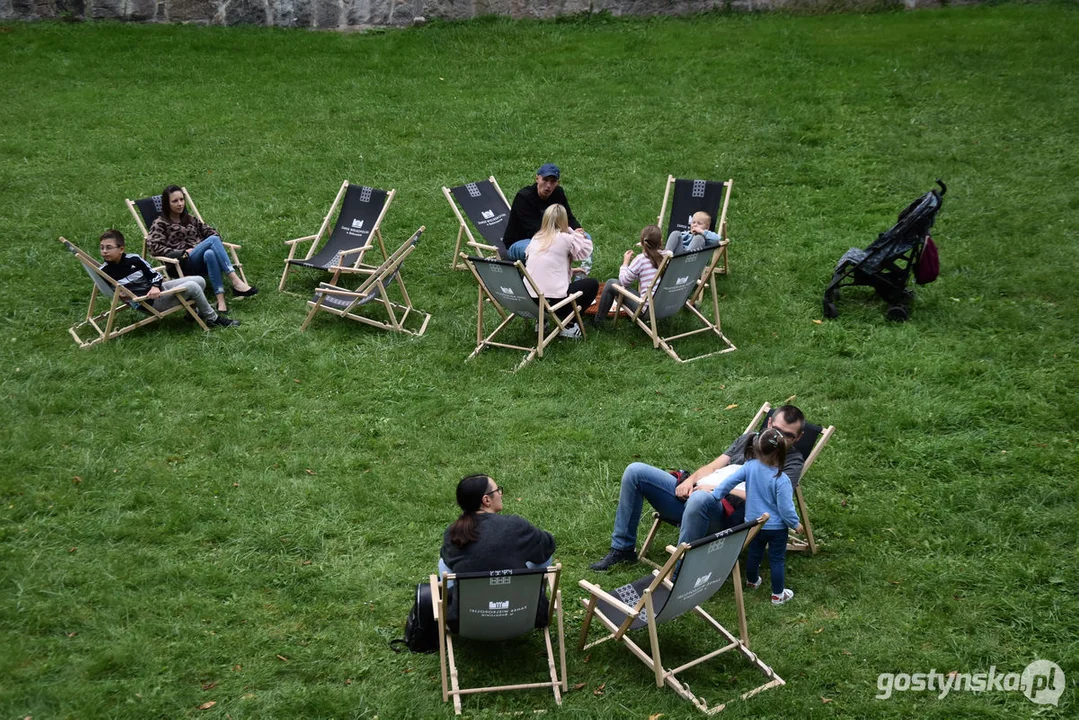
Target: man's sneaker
[223,321]
[783,597]
[572,331]
[754,585]
[614,557]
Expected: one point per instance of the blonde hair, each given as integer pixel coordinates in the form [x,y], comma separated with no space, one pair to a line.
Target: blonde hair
[555,220]
[702,217]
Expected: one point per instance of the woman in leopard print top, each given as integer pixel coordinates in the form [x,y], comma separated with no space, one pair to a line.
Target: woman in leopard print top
[177,234]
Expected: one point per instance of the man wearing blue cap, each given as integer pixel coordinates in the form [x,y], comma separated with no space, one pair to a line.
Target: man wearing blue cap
[526,213]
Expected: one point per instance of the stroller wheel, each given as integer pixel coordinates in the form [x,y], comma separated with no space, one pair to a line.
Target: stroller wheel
[898,313]
[830,310]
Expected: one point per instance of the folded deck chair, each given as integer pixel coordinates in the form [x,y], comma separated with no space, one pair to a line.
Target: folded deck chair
[887,264]
[503,284]
[810,445]
[666,595]
[678,280]
[498,606]
[691,196]
[486,206]
[105,324]
[374,290]
[147,209]
[358,223]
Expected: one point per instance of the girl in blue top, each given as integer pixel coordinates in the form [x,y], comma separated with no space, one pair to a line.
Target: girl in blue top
[768,490]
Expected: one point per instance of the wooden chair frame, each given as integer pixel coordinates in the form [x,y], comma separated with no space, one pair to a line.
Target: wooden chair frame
[374,287]
[174,263]
[103,323]
[464,230]
[651,327]
[447,661]
[544,311]
[721,262]
[653,660]
[794,543]
[357,264]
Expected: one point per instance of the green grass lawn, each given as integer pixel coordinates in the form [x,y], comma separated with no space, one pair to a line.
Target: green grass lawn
[240,517]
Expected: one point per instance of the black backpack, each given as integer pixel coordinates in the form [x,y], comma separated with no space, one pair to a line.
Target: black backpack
[421,629]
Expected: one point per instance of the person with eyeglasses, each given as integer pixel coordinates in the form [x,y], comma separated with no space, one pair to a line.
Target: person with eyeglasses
[680,500]
[484,539]
[136,275]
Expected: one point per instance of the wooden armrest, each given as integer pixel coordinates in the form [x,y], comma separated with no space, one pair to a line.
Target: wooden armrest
[301,239]
[565,300]
[361,248]
[166,260]
[623,291]
[599,592]
[233,246]
[436,596]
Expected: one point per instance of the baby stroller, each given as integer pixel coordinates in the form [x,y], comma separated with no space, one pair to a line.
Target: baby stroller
[886,265]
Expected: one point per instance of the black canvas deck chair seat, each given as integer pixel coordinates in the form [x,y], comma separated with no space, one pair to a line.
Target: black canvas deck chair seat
[499,606]
[374,291]
[887,264]
[107,324]
[664,596]
[693,196]
[504,285]
[678,281]
[485,205]
[358,225]
[814,439]
[147,209]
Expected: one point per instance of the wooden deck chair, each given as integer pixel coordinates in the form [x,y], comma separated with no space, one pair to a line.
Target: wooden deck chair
[147,209]
[104,324]
[358,223]
[813,440]
[666,595]
[486,207]
[498,606]
[678,280]
[691,196]
[375,289]
[505,286]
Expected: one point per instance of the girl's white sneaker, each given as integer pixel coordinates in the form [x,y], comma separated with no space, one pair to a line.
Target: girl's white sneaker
[783,597]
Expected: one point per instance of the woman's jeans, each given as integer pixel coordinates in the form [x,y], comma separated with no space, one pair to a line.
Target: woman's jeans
[210,258]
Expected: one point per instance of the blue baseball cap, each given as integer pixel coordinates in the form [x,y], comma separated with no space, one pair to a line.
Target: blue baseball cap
[548,170]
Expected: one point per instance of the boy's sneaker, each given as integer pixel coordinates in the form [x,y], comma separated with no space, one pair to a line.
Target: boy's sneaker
[783,597]
[614,557]
[754,585]
[573,332]
[223,321]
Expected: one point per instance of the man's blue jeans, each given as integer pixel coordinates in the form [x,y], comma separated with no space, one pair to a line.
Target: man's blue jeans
[700,514]
[210,257]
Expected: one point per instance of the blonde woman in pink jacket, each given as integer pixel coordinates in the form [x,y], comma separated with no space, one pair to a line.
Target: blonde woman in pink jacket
[548,260]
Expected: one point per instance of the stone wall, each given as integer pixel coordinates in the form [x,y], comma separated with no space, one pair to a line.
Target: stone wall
[358,14]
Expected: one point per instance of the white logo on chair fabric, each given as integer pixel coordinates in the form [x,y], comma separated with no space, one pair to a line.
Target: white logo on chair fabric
[501,577]
[365,194]
[702,580]
[717,545]
[357,224]
[506,290]
[698,188]
[498,605]
[157,203]
[473,191]
[488,214]
[682,280]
